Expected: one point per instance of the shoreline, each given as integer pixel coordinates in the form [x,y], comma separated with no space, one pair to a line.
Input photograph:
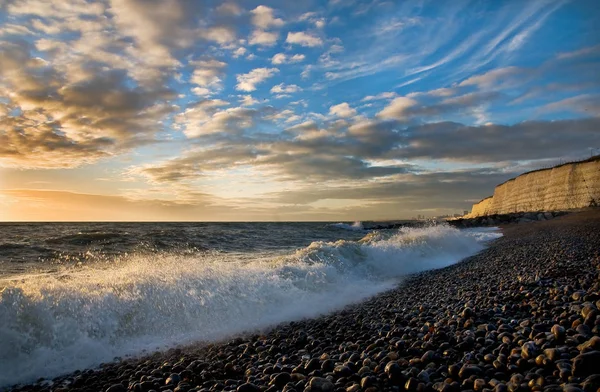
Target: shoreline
[440,330]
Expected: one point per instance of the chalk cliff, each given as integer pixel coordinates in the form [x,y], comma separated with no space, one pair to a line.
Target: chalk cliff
[563,187]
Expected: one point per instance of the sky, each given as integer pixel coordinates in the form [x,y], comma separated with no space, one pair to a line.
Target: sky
[154,110]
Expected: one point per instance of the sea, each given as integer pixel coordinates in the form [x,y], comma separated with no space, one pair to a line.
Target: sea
[75,295]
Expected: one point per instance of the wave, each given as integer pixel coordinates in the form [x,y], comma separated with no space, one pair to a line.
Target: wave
[85,238]
[80,317]
[356,226]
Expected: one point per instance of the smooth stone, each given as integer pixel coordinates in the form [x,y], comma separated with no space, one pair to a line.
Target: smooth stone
[328,365]
[411,384]
[280,379]
[593,343]
[367,382]
[467,313]
[559,332]
[313,364]
[116,388]
[342,371]
[529,350]
[467,371]
[353,388]
[393,370]
[586,364]
[591,384]
[173,379]
[320,384]
[248,387]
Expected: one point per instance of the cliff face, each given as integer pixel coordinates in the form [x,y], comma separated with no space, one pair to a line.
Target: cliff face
[565,187]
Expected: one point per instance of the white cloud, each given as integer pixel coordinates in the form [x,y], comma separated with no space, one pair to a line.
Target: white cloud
[207,72]
[297,58]
[207,117]
[313,18]
[342,110]
[279,58]
[306,71]
[303,38]
[493,77]
[590,50]
[262,17]
[202,91]
[239,52]
[282,58]
[438,92]
[384,95]
[282,88]
[248,81]
[229,9]
[397,108]
[265,38]
[220,34]
[248,100]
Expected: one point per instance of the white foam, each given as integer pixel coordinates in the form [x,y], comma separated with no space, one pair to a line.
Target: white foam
[78,318]
[356,226]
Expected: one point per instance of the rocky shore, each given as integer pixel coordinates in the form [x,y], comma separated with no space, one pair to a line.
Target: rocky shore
[520,316]
[505,219]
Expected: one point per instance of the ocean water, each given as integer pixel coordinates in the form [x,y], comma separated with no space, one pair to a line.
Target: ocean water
[74,295]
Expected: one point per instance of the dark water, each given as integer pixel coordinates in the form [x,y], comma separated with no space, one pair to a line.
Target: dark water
[24,246]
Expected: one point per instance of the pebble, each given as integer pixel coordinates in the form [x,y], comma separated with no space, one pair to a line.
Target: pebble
[320,384]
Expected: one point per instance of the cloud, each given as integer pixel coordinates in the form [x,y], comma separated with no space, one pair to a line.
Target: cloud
[282,88]
[248,100]
[207,73]
[263,18]
[239,52]
[156,28]
[342,110]
[195,163]
[219,34]
[397,109]
[304,39]
[383,95]
[584,52]
[588,104]
[229,9]
[282,58]
[248,81]
[405,109]
[66,123]
[493,78]
[528,140]
[208,118]
[264,38]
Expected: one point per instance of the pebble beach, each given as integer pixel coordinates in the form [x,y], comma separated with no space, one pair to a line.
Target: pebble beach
[522,315]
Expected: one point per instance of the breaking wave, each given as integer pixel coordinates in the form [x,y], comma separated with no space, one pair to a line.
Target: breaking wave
[356,226]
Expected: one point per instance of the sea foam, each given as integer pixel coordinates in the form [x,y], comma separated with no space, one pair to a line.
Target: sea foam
[356,226]
[77,318]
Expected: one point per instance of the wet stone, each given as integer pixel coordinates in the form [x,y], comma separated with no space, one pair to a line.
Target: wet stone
[586,364]
[467,371]
[116,388]
[321,384]
[248,387]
